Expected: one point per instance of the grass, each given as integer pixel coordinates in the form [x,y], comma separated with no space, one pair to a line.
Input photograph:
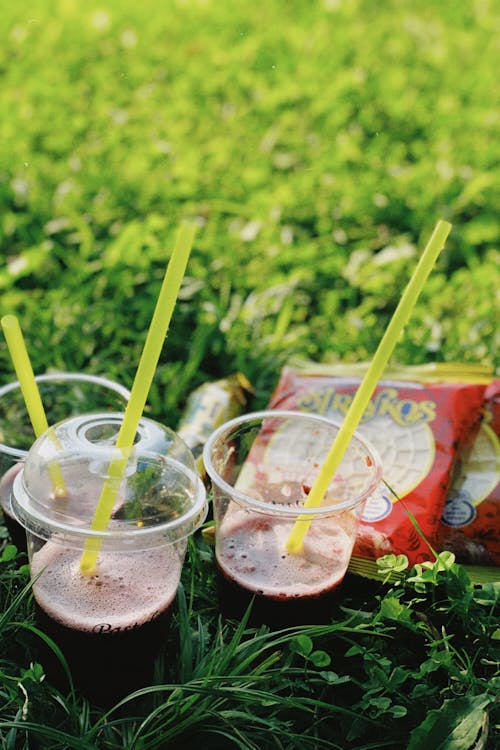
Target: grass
[315,144]
[304,150]
[392,657]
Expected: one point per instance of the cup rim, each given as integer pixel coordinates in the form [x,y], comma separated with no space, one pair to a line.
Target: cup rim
[20,453]
[297,512]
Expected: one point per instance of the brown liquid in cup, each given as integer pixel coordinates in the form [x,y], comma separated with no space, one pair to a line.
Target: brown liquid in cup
[286,589]
[276,612]
[125,659]
[16,531]
[109,626]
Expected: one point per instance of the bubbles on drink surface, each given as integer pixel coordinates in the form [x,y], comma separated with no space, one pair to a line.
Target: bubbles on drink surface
[125,591]
[251,550]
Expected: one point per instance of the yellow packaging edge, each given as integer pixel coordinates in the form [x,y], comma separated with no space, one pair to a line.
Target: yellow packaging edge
[432,372]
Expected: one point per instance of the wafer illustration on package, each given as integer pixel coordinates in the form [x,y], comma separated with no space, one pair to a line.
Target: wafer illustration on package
[418,420]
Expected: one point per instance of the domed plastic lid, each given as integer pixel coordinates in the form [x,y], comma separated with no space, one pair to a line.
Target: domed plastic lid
[158,497]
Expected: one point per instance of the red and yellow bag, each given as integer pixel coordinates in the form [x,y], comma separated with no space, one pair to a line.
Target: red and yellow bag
[471,517]
[419,418]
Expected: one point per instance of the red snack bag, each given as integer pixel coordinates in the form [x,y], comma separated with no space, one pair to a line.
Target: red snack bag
[418,419]
[471,516]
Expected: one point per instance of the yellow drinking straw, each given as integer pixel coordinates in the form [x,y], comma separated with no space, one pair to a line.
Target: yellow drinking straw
[140,389]
[29,389]
[369,382]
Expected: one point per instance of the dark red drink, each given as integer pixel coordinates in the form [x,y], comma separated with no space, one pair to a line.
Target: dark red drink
[274,611]
[107,532]
[16,531]
[275,542]
[106,666]
[286,589]
[109,625]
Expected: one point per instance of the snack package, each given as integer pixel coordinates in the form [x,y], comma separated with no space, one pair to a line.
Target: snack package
[471,517]
[419,418]
[208,406]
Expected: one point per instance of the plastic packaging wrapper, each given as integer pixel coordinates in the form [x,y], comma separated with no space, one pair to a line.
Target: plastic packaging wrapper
[419,419]
[471,516]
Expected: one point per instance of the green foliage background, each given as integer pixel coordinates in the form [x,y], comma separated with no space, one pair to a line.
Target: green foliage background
[315,143]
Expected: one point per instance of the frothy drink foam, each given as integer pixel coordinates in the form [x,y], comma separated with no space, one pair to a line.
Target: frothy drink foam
[125,591]
[252,552]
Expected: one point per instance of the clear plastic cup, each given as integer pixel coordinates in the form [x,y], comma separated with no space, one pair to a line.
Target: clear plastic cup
[63,395]
[262,466]
[110,623]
